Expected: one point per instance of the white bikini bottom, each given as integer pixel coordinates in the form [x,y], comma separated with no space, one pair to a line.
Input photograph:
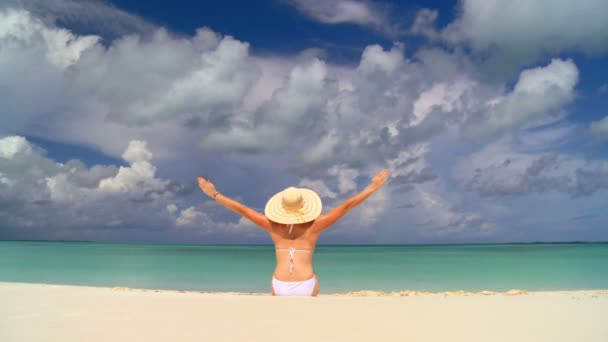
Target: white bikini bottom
[294,288]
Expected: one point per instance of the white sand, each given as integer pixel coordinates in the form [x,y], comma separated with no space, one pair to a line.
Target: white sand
[36,312]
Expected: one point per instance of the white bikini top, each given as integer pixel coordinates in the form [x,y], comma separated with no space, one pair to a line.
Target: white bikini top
[292,251]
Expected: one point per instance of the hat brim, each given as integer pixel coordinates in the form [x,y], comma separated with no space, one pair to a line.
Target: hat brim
[311,210]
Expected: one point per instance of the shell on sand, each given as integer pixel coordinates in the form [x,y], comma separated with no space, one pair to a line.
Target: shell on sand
[118,288]
[516,292]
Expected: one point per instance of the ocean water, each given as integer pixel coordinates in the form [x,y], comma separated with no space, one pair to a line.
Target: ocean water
[498,267]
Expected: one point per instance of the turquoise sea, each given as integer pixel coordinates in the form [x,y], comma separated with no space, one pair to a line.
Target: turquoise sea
[497,267]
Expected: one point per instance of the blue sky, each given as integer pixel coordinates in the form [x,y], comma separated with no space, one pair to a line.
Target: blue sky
[490,115]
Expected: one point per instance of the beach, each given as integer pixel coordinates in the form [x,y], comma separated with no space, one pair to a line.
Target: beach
[41,312]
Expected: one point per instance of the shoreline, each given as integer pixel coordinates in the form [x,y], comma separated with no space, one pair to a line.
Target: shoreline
[41,312]
[359,293]
[328,244]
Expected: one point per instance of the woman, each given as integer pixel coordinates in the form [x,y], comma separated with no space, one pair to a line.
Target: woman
[294,221]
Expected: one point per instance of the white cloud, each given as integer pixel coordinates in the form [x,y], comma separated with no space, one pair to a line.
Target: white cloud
[432,211]
[63,200]
[505,168]
[410,167]
[189,216]
[133,81]
[600,128]
[319,187]
[429,212]
[204,77]
[136,151]
[374,207]
[98,16]
[424,24]
[40,192]
[359,12]
[139,177]
[158,88]
[12,145]
[304,91]
[144,88]
[539,93]
[61,48]
[346,178]
[260,117]
[517,34]
[4,180]
[273,71]
[277,122]
[33,59]
[322,150]
[375,59]
[445,96]
[171,208]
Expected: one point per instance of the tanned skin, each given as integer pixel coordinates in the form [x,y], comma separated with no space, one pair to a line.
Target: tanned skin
[303,236]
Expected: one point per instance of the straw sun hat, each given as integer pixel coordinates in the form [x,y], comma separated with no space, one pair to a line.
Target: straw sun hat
[293,205]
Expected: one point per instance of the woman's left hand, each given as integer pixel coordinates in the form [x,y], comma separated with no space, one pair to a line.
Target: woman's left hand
[207,187]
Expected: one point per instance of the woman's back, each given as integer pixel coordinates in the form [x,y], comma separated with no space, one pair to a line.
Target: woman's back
[294,251]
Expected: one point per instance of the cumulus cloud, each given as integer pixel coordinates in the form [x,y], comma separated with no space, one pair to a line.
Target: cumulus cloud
[10,146]
[310,97]
[343,180]
[204,77]
[188,215]
[346,178]
[138,177]
[425,212]
[410,168]
[33,59]
[59,47]
[292,109]
[134,81]
[376,59]
[503,169]
[424,24]
[206,83]
[599,128]
[40,192]
[160,102]
[319,187]
[62,200]
[322,150]
[539,93]
[358,12]
[374,207]
[171,208]
[97,16]
[362,119]
[447,97]
[517,34]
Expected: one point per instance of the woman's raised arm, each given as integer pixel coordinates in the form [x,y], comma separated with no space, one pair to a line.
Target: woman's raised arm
[259,219]
[325,221]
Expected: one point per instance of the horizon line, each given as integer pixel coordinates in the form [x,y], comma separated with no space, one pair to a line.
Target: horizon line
[330,244]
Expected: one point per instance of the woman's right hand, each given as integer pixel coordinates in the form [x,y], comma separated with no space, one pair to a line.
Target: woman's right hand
[379,179]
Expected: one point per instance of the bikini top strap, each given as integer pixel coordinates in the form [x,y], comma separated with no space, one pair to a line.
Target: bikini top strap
[291,257]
